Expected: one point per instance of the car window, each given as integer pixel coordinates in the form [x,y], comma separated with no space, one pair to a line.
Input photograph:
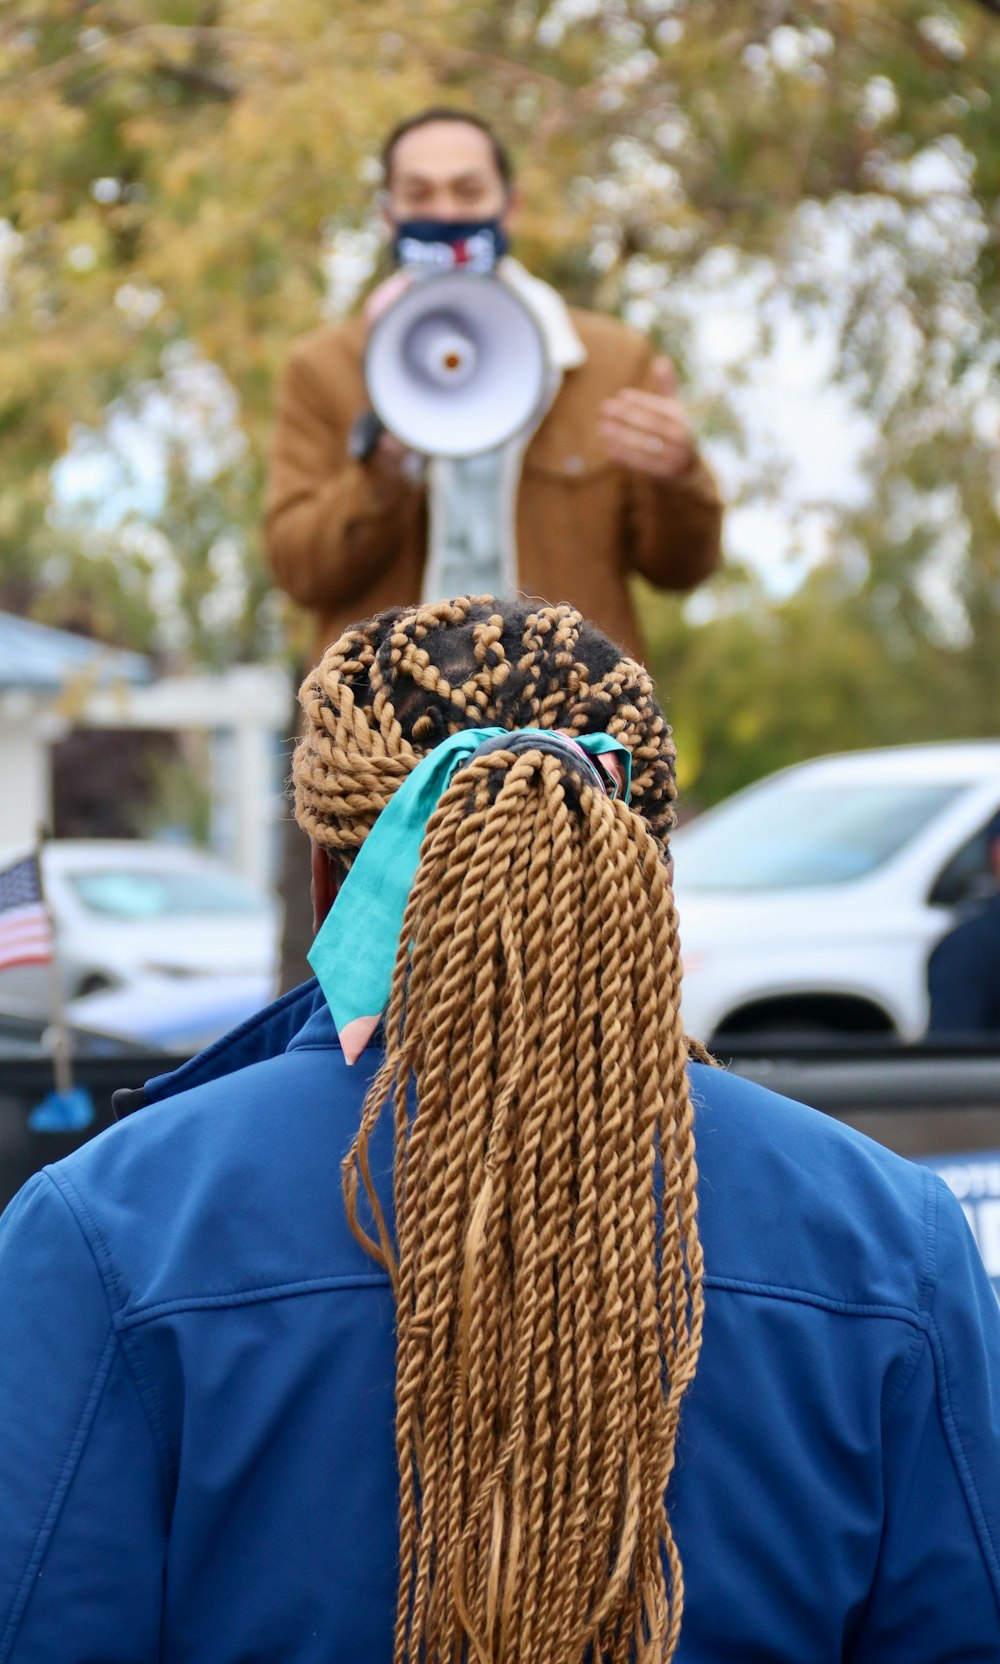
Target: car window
[124,894]
[781,836]
[967,877]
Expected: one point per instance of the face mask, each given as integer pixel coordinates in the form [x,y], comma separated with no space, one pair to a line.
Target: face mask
[450,245]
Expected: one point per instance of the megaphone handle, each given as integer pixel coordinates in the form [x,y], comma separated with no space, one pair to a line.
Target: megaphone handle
[366,431]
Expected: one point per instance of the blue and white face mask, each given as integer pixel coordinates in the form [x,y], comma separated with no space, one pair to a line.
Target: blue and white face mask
[450,245]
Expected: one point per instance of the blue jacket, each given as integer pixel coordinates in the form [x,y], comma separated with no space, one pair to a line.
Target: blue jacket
[196,1387]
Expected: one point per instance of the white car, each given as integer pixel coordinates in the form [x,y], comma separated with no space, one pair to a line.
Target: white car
[181,1014]
[809,902]
[125,909]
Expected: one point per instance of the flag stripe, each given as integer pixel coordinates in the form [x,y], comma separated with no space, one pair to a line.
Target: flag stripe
[22,916]
[25,927]
[9,962]
[39,932]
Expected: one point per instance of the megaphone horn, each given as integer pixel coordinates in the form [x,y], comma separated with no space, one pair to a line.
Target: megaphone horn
[457,365]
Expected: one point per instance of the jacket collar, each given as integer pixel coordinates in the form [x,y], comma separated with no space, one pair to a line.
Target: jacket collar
[298,1018]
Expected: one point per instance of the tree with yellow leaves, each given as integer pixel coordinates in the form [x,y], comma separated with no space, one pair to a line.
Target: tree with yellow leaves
[187,187]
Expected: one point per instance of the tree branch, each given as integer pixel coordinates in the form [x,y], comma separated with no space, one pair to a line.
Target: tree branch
[158,35]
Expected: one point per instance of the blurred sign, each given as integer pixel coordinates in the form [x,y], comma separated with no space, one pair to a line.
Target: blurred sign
[975,1180]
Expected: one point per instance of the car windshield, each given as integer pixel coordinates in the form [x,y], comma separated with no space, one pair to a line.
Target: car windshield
[120,893]
[781,836]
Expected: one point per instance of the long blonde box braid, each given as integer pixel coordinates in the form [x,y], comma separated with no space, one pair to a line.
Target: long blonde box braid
[549,1301]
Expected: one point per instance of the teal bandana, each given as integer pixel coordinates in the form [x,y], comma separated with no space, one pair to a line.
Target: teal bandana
[355,949]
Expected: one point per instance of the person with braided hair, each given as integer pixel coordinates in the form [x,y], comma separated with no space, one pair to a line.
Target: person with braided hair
[404,1324]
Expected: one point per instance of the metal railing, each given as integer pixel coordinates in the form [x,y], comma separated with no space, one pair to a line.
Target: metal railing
[917,1099]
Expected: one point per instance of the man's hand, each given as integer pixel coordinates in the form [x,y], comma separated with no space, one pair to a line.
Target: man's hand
[391,457]
[649,432]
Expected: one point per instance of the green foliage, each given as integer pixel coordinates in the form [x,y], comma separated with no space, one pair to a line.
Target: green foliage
[169,175]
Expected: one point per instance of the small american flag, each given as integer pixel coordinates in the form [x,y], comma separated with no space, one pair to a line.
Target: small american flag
[25,928]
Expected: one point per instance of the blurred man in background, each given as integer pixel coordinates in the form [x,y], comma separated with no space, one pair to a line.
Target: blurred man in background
[963,974]
[608,482]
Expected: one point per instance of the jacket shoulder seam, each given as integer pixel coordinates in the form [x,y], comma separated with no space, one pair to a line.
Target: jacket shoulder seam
[928,1270]
[260,1295]
[100,1252]
[824,1302]
[76,1205]
[928,1278]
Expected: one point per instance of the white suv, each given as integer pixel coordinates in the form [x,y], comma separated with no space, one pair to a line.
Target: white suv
[809,902]
[125,909]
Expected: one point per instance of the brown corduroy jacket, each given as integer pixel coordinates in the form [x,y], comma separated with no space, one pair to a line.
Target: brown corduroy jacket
[345,541]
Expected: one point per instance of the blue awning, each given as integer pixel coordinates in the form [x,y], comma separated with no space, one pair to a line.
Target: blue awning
[37,658]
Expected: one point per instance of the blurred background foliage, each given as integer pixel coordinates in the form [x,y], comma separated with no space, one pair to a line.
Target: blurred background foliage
[185,188]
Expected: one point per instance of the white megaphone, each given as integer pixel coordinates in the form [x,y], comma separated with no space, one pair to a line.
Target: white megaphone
[457,365]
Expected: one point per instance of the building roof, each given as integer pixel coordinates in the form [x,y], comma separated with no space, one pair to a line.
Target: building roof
[35,657]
